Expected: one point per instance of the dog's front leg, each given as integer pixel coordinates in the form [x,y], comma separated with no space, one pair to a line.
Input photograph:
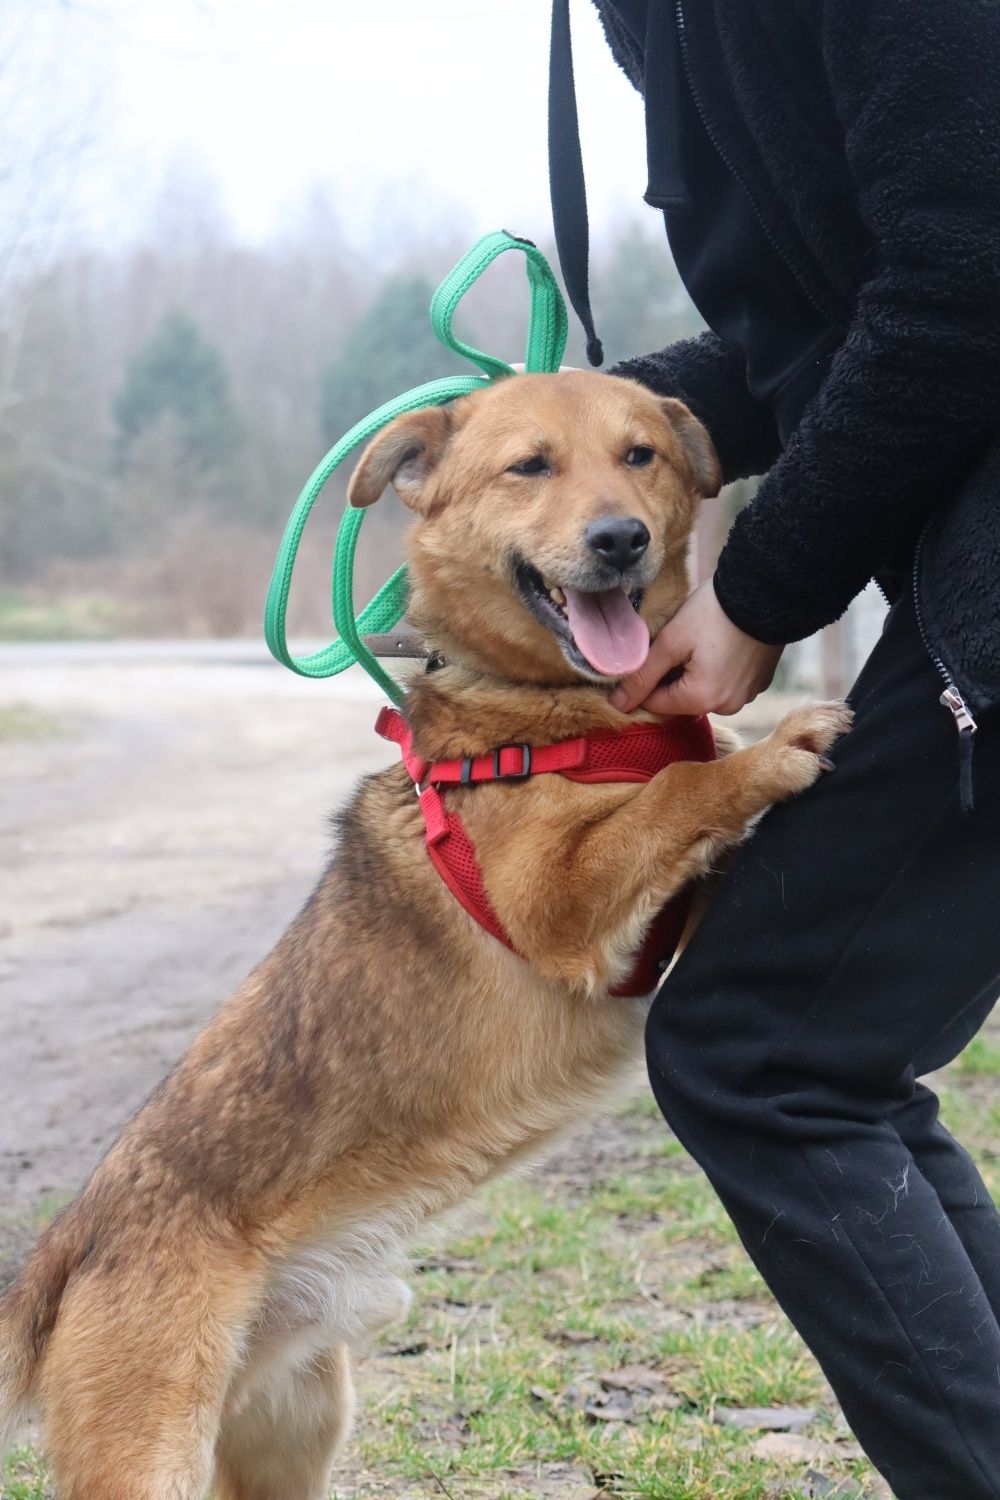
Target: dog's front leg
[579,908]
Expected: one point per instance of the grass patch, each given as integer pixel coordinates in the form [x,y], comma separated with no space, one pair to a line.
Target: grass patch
[19,722]
[500,1393]
[30,615]
[981,1058]
[25,1477]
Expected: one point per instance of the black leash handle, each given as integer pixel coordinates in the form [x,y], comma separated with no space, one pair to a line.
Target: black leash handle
[567,187]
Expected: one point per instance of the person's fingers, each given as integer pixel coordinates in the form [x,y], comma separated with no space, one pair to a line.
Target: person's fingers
[682,697]
[666,654]
[635,688]
[632,690]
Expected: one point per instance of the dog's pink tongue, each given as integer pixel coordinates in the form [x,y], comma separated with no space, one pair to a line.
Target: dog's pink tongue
[610,634]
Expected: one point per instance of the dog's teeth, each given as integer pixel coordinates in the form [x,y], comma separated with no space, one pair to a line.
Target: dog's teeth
[557,596]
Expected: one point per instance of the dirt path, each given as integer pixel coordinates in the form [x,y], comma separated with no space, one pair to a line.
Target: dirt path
[152,846]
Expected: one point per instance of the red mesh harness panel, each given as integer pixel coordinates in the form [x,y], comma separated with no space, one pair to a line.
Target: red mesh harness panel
[632,754]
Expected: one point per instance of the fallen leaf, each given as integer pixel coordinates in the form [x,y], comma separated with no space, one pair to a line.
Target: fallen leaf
[821,1487]
[553,1481]
[579,1393]
[666,1401]
[632,1378]
[615,1407]
[733,1313]
[791,1445]
[766,1418]
[571,1336]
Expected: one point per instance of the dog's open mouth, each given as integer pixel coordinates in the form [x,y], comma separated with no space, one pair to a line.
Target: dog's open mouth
[600,631]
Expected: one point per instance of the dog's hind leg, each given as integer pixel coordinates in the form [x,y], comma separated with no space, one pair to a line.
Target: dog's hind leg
[282,1442]
[136,1370]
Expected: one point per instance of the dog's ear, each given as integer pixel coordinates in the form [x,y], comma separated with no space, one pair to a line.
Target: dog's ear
[404,455]
[699,450]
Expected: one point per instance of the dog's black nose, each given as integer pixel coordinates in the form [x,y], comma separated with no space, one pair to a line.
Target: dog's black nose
[618,540]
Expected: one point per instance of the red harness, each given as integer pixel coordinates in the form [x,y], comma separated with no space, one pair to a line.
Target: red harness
[633,754]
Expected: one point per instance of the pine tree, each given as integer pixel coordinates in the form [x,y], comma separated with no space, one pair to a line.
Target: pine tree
[178,377]
[389,349]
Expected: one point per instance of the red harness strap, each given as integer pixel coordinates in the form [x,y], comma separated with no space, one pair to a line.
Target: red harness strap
[632,754]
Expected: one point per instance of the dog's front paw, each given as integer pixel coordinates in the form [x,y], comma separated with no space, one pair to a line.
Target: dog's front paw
[813,727]
[796,748]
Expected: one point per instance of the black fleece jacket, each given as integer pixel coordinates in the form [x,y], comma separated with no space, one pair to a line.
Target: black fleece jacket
[867,135]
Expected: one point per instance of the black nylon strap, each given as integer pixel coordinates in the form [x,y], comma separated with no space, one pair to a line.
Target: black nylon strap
[567,188]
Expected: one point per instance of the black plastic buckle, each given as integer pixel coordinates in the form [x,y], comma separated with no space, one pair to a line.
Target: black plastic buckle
[520,775]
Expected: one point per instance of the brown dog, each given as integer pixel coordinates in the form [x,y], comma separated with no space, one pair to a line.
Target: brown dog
[186,1321]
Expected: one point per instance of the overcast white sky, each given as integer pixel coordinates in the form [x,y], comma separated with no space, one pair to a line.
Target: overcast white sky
[400,110]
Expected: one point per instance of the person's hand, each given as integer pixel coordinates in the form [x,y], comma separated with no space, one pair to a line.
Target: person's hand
[713,666]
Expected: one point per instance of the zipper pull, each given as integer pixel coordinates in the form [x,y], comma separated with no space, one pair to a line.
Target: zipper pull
[953,700]
[967,726]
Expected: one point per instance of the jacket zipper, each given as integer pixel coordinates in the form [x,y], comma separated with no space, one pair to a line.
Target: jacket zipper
[951,698]
[827,312]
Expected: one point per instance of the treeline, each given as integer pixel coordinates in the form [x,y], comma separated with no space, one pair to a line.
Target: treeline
[160,406]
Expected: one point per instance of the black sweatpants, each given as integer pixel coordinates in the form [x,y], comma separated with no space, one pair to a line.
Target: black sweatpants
[854,945]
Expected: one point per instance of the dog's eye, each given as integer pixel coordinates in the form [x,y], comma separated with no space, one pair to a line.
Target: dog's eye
[536,465]
[637,458]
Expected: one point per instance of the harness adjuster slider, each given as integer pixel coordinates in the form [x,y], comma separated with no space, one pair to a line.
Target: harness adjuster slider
[520,775]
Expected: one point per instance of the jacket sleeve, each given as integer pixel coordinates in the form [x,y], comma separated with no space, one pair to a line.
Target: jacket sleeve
[913,395]
[710,377]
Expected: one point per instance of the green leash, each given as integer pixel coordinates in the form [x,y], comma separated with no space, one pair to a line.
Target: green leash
[546,341]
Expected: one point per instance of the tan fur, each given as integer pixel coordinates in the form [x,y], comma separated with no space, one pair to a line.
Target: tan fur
[190,1314]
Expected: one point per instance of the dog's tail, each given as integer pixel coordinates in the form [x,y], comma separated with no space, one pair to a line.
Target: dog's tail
[28,1312]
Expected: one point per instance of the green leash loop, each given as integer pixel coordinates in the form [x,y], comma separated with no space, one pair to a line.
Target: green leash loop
[383,612]
[546,341]
[547,322]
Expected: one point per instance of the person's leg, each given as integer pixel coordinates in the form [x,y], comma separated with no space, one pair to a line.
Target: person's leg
[857,929]
[955,1179]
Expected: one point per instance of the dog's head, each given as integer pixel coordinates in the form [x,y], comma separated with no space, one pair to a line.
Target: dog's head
[553,519]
